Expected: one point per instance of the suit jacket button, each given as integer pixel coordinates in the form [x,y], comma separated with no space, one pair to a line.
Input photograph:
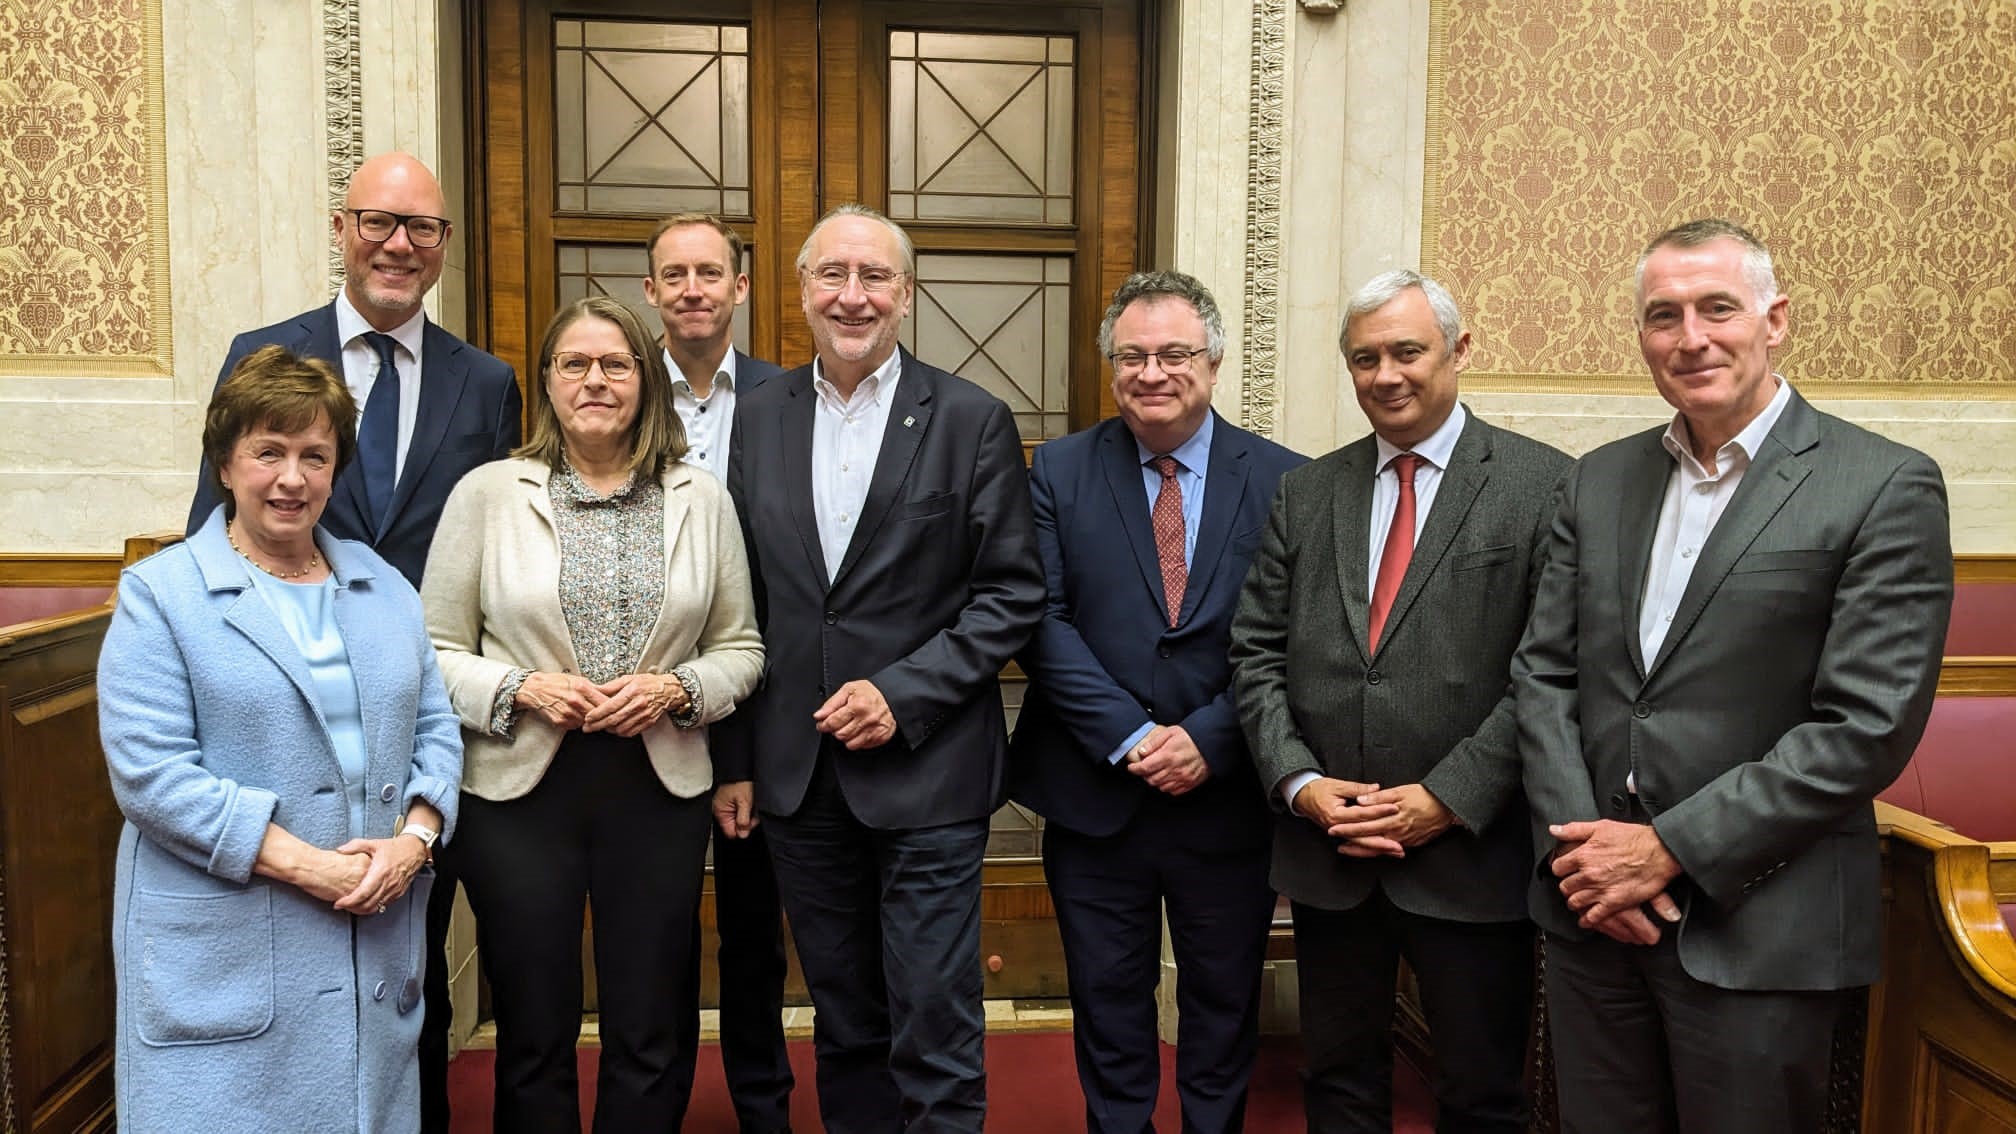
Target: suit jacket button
[378,993]
[388,793]
[1372,677]
[409,995]
[1618,803]
[1641,710]
[832,619]
[1162,651]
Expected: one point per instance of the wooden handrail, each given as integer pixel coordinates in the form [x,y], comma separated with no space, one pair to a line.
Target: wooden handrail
[1968,904]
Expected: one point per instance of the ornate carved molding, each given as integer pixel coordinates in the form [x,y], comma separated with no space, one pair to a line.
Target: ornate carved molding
[1260,395]
[1323,7]
[343,107]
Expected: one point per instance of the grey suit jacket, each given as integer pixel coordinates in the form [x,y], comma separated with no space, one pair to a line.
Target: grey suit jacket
[1432,705]
[1791,688]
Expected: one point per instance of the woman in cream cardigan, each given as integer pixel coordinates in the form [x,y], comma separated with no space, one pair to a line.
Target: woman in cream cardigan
[591,605]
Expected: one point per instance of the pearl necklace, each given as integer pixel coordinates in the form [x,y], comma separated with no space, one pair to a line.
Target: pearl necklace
[314,558]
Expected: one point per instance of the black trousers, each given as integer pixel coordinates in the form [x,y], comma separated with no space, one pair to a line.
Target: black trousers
[1641,1046]
[1110,894]
[1476,982]
[887,924]
[599,828]
[749,918]
[438,1013]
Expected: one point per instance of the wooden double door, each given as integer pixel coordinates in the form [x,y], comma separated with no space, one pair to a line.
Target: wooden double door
[1005,137]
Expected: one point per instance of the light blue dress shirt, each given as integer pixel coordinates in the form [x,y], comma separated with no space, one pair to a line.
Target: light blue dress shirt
[1192,458]
[307,610]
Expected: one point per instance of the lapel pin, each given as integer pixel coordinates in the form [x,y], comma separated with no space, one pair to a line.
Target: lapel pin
[908,422]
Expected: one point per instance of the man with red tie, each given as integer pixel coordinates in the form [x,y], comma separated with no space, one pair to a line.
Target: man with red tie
[1372,651]
[1127,742]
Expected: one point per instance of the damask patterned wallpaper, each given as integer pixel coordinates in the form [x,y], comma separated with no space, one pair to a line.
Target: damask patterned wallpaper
[1870,143]
[83,189]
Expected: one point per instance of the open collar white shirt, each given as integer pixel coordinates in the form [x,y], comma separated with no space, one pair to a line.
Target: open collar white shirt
[846,440]
[1694,503]
[707,420]
[360,368]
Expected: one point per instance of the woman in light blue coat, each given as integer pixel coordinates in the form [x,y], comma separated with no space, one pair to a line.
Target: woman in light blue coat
[285,755]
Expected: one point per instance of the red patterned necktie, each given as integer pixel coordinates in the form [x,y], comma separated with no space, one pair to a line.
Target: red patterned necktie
[1399,547]
[1168,517]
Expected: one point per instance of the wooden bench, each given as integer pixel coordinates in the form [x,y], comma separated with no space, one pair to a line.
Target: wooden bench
[1941,1048]
[59,829]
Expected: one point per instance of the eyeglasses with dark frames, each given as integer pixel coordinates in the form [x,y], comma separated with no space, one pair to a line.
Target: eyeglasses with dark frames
[1128,363]
[377,226]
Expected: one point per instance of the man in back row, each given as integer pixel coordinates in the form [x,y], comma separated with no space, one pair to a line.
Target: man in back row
[696,282]
[434,407]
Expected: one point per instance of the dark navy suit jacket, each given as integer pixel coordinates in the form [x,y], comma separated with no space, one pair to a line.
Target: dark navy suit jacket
[469,415]
[935,593]
[1104,658]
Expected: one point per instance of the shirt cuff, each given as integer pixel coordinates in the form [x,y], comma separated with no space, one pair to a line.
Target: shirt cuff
[695,703]
[503,709]
[1137,736]
[1293,785]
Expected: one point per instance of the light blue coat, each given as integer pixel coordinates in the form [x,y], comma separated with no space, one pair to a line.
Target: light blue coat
[244,1004]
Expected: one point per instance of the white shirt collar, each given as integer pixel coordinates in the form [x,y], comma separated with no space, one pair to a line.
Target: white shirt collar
[350,324]
[1747,442]
[874,388]
[1436,449]
[724,374]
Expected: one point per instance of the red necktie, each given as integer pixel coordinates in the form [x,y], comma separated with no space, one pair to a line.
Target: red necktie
[1399,546]
[1168,517]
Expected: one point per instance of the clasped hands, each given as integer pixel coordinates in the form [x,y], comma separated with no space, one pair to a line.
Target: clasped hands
[1611,873]
[363,876]
[626,705]
[1168,760]
[1368,821]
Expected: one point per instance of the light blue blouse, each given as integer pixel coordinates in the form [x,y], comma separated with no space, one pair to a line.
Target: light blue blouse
[307,610]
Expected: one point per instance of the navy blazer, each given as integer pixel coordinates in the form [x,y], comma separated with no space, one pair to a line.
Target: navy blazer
[469,415]
[938,589]
[1104,659]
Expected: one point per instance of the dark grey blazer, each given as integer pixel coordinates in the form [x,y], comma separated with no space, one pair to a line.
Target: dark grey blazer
[1432,705]
[1792,687]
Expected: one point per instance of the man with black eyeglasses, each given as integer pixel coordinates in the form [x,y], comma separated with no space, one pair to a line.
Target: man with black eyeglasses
[1128,743]
[432,408]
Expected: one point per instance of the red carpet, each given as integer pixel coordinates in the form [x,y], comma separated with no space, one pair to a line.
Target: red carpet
[1032,1086]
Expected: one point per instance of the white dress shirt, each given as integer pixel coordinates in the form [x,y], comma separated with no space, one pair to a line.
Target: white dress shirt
[1434,452]
[1694,503]
[707,420]
[846,440]
[360,368]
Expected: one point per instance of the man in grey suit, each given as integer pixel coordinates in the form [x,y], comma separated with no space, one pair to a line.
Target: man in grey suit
[1371,651]
[696,282]
[1733,649]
